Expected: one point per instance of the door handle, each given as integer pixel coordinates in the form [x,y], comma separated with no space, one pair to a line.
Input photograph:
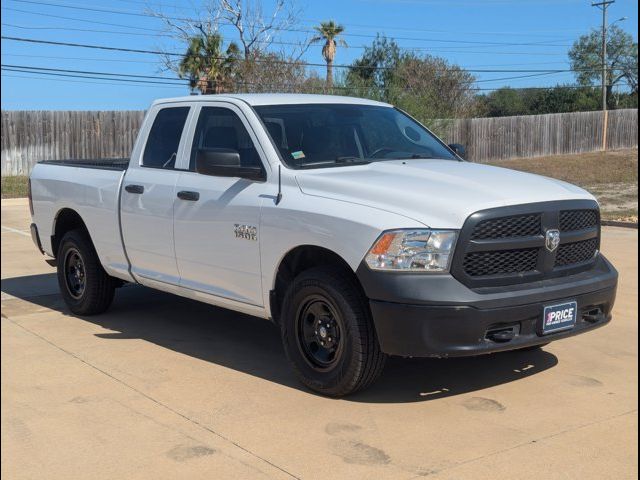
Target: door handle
[191,196]
[139,189]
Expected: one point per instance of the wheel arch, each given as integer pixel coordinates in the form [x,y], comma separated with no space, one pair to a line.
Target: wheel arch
[297,260]
[65,220]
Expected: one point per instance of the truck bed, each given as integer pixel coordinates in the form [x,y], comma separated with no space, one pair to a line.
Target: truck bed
[91,188]
[120,164]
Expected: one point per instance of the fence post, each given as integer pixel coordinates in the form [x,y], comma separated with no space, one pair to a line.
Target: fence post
[605,125]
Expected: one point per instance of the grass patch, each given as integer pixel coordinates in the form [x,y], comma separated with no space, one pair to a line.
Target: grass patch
[14,187]
[612,177]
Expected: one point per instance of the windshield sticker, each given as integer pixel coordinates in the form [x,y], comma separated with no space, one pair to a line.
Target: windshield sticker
[297,155]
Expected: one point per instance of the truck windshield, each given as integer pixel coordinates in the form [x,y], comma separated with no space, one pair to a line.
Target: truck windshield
[327,135]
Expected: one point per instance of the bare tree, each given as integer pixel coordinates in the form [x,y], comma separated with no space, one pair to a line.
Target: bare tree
[255,28]
[184,30]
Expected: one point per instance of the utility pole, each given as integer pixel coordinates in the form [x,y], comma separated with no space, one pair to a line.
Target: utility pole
[603,5]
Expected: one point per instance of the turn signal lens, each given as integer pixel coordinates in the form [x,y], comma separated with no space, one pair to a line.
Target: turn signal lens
[383,244]
[427,251]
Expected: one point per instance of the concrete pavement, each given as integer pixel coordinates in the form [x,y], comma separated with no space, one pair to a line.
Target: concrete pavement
[163,387]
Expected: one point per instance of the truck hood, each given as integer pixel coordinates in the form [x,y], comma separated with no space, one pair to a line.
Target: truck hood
[436,193]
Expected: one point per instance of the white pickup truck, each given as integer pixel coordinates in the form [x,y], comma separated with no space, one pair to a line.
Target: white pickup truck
[342,220]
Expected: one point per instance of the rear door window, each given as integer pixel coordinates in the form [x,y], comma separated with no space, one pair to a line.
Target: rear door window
[161,149]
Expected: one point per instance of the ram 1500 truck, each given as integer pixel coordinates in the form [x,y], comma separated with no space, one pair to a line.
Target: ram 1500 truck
[344,221]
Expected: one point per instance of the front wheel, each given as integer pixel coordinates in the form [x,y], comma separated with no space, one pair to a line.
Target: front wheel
[328,334]
[85,286]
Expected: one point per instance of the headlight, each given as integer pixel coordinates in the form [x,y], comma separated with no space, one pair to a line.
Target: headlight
[413,251]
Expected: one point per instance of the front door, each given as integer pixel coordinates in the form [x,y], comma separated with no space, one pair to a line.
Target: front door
[217,220]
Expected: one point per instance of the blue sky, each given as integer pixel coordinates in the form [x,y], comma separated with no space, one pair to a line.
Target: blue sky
[483,34]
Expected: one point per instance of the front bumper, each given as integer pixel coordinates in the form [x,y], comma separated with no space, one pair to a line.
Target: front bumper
[421,315]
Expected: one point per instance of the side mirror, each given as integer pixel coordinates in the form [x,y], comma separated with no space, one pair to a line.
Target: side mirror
[459,149]
[225,162]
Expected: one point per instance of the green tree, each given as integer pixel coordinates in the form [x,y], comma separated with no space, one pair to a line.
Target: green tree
[208,68]
[328,32]
[427,87]
[625,99]
[431,88]
[504,102]
[561,99]
[536,101]
[622,59]
[371,75]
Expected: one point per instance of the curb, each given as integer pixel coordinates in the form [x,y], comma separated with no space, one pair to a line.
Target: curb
[613,223]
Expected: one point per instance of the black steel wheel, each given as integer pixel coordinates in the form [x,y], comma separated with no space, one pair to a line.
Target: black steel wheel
[85,287]
[328,334]
[319,331]
[74,273]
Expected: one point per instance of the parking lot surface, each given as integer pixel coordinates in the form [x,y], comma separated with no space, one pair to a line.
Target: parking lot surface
[164,387]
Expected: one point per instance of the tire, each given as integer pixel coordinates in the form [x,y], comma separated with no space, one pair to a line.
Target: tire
[85,286]
[324,305]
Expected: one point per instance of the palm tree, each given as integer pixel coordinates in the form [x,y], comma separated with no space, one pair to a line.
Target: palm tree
[206,66]
[329,32]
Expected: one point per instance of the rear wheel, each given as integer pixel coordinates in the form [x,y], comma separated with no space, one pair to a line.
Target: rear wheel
[85,286]
[328,334]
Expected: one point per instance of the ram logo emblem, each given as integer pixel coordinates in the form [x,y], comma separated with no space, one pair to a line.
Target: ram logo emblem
[552,239]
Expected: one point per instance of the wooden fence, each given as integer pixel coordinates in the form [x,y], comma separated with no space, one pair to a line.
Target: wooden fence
[525,136]
[29,136]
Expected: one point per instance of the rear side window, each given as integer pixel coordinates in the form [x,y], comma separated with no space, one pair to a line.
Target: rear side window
[164,137]
[220,128]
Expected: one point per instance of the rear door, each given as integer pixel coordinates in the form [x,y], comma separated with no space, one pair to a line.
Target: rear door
[217,233]
[148,195]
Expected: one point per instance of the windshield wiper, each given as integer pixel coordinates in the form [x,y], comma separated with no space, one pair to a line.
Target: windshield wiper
[351,159]
[338,161]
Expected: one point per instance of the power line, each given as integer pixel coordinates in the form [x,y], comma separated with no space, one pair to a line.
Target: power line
[122,60]
[137,76]
[154,4]
[155,79]
[274,42]
[55,74]
[100,10]
[84,20]
[269,42]
[66,80]
[137,83]
[96,22]
[70,29]
[369,26]
[288,29]
[81,45]
[47,69]
[534,33]
[88,59]
[307,64]
[190,19]
[520,76]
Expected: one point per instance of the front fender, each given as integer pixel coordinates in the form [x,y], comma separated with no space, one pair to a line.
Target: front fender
[344,228]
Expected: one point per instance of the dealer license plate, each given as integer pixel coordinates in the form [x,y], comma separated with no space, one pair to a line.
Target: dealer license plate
[559,317]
